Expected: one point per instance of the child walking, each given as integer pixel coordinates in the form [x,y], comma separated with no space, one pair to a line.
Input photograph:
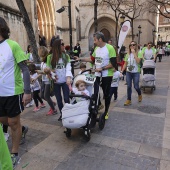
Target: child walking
[46,92]
[114,84]
[35,86]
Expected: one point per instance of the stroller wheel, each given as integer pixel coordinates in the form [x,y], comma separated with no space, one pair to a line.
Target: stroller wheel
[101,121]
[87,134]
[68,133]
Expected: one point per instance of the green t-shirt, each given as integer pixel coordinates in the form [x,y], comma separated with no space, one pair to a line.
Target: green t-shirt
[132,65]
[5,158]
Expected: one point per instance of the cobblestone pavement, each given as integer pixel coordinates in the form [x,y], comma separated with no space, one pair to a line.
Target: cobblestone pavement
[136,137]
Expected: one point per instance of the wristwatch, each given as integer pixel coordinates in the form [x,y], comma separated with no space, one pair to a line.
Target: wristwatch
[103,68]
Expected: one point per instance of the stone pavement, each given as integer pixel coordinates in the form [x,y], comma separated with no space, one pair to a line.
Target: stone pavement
[136,137]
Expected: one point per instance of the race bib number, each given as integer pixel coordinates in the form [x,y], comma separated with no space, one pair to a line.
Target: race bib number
[60,66]
[89,78]
[114,80]
[98,61]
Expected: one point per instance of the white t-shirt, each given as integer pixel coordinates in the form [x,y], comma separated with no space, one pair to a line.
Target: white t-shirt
[132,63]
[76,91]
[102,59]
[62,72]
[11,82]
[36,85]
[115,80]
[148,54]
[160,51]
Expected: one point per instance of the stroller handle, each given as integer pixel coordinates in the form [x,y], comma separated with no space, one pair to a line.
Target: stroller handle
[78,95]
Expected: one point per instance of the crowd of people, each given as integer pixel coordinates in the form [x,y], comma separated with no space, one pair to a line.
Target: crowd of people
[23,85]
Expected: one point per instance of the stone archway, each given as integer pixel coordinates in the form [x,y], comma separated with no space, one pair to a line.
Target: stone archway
[46,18]
[106,25]
[106,34]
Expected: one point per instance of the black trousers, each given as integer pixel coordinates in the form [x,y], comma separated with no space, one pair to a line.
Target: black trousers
[113,90]
[105,84]
[36,97]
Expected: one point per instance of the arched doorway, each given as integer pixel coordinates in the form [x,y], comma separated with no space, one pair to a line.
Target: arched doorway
[107,26]
[46,18]
[106,34]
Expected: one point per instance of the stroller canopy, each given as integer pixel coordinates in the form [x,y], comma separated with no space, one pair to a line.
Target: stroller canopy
[149,64]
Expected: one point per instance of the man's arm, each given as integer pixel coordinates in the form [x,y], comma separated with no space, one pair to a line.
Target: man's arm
[26,79]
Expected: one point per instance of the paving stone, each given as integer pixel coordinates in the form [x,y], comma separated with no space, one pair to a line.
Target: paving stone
[31,161]
[33,138]
[165,154]
[151,151]
[164,165]
[129,146]
[132,127]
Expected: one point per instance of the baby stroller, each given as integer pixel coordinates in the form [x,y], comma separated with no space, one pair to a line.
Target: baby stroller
[148,75]
[81,114]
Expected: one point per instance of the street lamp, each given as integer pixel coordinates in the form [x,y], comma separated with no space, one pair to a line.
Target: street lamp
[122,19]
[153,33]
[139,32]
[70,23]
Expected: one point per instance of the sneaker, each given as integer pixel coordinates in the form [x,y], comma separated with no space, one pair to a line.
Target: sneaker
[127,103]
[28,105]
[42,105]
[15,160]
[51,112]
[100,107]
[32,103]
[139,98]
[36,109]
[107,116]
[23,135]
[6,135]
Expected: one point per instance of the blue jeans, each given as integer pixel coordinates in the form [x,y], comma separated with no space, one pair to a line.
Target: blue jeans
[57,93]
[135,78]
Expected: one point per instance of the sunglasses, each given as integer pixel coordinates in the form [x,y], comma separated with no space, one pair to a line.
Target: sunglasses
[132,44]
[62,44]
[150,45]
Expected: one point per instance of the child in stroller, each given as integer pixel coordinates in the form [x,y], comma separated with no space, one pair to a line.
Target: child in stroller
[81,90]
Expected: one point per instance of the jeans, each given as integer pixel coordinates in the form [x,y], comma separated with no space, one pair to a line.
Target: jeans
[57,93]
[135,78]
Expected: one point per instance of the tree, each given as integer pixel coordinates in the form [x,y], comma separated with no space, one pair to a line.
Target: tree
[161,7]
[115,6]
[132,10]
[29,29]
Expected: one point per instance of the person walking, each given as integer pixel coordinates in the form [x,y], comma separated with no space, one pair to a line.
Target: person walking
[104,58]
[77,50]
[35,86]
[46,91]
[13,95]
[59,61]
[132,66]
[149,52]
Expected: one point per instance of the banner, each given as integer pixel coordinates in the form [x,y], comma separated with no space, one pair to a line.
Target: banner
[123,33]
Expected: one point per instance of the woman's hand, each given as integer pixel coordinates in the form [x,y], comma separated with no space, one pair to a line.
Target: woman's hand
[68,81]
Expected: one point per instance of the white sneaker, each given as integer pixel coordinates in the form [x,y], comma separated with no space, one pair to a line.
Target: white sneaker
[32,103]
[28,105]
[6,135]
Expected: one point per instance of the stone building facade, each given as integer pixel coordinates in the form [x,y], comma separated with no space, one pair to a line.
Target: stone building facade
[47,22]
[164,26]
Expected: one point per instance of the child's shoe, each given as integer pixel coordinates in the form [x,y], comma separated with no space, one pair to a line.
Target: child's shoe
[42,105]
[36,109]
